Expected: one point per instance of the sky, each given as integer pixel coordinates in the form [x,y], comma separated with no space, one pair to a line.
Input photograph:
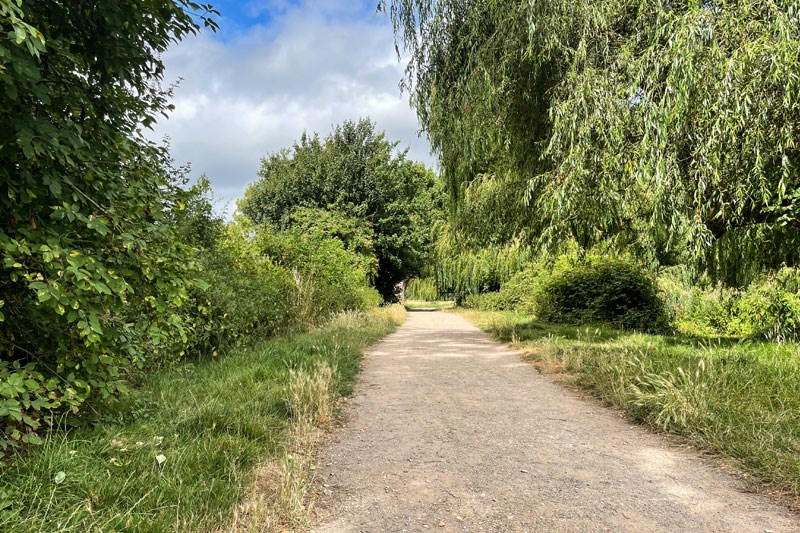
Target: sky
[277,68]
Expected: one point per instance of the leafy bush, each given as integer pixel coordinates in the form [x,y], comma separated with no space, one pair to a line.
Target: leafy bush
[249,298]
[328,278]
[767,308]
[694,309]
[518,293]
[92,279]
[488,301]
[600,290]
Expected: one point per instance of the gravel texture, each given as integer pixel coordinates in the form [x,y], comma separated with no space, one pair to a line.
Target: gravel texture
[450,431]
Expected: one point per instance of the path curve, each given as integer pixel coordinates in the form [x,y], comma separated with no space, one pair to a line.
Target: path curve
[450,431]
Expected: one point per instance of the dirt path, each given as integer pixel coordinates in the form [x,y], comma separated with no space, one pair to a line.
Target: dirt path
[451,432]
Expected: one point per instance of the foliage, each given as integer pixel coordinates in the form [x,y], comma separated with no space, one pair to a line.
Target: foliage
[768,307]
[487,301]
[263,282]
[328,278]
[214,422]
[666,128]
[355,233]
[738,400]
[92,278]
[423,289]
[250,297]
[516,294]
[700,309]
[600,290]
[354,173]
[461,269]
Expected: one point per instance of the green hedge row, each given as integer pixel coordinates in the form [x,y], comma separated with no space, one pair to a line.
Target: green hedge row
[618,292]
[242,284]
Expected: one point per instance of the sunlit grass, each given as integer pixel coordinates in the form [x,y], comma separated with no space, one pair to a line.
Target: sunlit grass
[417,305]
[182,450]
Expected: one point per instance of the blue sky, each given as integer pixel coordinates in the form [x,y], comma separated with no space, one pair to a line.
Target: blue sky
[238,15]
[275,69]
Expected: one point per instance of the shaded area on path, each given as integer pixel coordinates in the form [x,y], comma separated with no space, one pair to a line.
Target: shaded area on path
[451,431]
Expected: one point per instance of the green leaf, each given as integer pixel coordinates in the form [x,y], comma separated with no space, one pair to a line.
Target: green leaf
[94,322]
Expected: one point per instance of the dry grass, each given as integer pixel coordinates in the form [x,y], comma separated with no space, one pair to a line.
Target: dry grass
[309,394]
[278,498]
[395,314]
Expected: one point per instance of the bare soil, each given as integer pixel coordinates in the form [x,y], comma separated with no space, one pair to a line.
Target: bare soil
[451,431]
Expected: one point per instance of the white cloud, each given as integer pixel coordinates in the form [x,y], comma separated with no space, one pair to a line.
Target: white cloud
[315,66]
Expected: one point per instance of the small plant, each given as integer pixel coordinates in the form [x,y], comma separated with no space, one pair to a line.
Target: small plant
[309,394]
[672,400]
[293,488]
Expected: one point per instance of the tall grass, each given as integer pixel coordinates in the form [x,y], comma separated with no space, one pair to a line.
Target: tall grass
[740,400]
[185,448]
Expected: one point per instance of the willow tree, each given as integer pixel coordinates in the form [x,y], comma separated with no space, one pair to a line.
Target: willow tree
[665,127]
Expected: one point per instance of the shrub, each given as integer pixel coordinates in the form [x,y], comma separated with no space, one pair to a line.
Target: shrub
[328,278]
[92,279]
[517,294]
[697,309]
[488,301]
[600,290]
[249,298]
[769,308]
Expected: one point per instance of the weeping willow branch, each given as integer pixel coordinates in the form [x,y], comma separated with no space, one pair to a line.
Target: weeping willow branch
[662,126]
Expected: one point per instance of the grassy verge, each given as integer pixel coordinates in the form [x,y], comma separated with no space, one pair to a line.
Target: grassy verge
[419,305]
[186,448]
[738,400]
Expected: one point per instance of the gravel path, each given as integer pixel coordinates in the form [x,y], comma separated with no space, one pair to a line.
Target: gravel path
[450,431]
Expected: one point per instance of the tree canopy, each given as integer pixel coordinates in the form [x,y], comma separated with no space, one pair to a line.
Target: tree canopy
[355,176]
[668,128]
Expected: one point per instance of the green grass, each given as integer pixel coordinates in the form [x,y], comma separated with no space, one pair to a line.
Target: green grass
[740,400]
[214,422]
[416,305]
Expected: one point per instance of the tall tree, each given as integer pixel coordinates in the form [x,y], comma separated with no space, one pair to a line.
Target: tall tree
[90,273]
[667,127]
[353,171]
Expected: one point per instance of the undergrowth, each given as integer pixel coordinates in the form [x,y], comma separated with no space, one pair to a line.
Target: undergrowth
[182,450]
[738,399]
